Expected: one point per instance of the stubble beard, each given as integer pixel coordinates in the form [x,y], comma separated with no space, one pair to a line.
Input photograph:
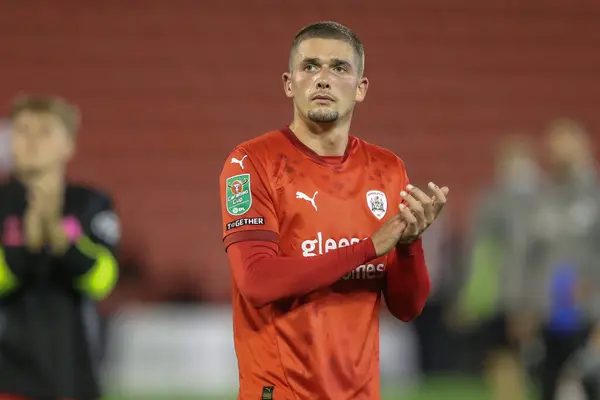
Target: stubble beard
[323,115]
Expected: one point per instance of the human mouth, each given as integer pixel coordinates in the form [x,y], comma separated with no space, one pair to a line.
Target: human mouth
[323,99]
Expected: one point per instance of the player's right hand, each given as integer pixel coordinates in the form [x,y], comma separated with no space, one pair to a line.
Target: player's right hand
[386,238]
[33,220]
[413,219]
[33,230]
[421,209]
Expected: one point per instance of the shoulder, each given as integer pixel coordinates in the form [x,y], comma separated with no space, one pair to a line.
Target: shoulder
[261,145]
[11,192]
[5,195]
[88,193]
[10,185]
[257,154]
[380,154]
[99,215]
[4,187]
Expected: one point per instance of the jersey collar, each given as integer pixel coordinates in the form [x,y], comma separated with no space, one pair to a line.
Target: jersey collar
[309,152]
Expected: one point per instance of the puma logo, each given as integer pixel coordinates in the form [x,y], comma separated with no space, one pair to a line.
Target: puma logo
[236,161]
[300,195]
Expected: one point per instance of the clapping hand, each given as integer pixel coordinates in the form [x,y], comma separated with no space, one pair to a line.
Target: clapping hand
[33,225]
[420,209]
[414,217]
[46,200]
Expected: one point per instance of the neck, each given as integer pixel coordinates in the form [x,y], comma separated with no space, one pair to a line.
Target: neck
[324,139]
[50,177]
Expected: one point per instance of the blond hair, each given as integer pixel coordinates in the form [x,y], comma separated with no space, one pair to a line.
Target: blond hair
[68,113]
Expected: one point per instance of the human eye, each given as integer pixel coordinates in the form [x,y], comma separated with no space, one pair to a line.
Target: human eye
[310,68]
[340,69]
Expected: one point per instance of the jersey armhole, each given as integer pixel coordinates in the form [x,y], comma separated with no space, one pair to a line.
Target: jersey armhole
[245,236]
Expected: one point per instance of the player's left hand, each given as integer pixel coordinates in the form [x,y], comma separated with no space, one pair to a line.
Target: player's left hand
[421,209]
[51,197]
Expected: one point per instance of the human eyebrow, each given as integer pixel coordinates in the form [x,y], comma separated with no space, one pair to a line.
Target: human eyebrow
[311,60]
[336,62]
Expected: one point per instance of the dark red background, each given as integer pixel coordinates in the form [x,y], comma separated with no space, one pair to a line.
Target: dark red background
[168,88]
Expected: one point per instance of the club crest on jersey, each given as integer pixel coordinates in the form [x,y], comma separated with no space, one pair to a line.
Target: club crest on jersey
[377,203]
[239,196]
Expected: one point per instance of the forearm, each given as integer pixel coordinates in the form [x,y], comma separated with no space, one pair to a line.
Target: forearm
[15,263]
[407,282]
[263,277]
[91,266]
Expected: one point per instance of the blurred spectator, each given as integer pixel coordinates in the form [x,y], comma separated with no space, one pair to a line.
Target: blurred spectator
[435,351]
[563,278]
[491,298]
[57,259]
[5,158]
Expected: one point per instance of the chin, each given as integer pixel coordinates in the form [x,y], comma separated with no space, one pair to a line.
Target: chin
[27,169]
[323,115]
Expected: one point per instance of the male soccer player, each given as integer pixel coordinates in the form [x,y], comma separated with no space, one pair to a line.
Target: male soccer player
[56,259]
[300,205]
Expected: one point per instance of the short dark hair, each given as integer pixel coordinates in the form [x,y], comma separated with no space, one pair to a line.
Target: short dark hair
[68,113]
[330,30]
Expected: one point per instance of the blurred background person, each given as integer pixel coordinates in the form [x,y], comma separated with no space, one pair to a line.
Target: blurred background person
[5,157]
[491,301]
[563,267]
[57,258]
[435,340]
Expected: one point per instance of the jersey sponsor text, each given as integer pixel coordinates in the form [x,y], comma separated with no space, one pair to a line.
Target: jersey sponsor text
[321,245]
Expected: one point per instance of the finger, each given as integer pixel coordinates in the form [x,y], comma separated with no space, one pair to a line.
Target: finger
[416,208]
[407,215]
[412,222]
[412,203]
[425,200]
[438,193]
[440,196]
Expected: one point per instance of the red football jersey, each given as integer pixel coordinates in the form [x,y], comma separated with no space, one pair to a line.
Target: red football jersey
[324,345]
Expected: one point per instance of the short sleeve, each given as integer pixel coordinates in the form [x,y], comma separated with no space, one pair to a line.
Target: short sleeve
[247,207]
[404,180]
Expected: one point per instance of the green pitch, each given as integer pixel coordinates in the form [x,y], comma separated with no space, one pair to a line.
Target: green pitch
[438,389]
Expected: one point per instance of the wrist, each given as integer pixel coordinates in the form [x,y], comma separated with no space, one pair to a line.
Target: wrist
[371,251]
[409,249]
[59,240]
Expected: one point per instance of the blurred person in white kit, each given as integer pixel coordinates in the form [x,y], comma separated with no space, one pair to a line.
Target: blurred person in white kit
[489,302]
[563,267]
